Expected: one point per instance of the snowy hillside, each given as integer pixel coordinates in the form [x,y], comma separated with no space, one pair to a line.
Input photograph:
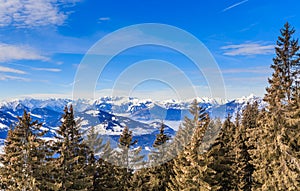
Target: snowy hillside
[110,115]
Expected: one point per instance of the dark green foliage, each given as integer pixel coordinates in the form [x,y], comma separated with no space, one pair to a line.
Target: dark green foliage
[142,180]
[70,168]
[156,177]
[161,138]
[276,163]
[158,155]
[211,134]
[126,159]
[287,59]
[243,168]
[223,158]
[98,166]
[161,170]
[293,123]
[190,166]
[23,157]
[105,176]
[259,151]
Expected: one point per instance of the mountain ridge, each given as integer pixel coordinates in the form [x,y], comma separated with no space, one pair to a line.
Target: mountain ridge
[110,115]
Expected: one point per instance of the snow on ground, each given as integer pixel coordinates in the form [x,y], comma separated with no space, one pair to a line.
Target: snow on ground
[12,114]
[84,122]
[2,146]
[101,129]
[173,124]
[141,131]
[35,115]
[2,126]
[44,129]
[92,112]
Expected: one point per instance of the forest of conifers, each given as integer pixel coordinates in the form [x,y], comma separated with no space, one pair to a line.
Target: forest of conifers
[258,149]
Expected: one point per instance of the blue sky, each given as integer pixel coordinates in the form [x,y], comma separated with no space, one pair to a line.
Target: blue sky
[42,43]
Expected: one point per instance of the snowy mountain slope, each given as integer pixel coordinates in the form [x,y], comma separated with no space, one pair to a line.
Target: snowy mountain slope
[49,111]
[147,110]
[110,115]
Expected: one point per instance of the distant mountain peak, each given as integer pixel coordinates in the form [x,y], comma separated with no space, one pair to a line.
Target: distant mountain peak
[109,115]
[251,98]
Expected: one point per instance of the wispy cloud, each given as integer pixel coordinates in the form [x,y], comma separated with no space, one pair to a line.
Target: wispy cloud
[32,13]
[10,52]
[69,84]
[256,70]
[234,5]
[249,27]
[59,63]
[11,70]
[245,49]
[48,69]
[9,77]
[248,80]
[104,18]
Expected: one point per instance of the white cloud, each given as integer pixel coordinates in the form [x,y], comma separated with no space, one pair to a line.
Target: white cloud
[31,13]
[18,52]
[104,18]
[11,70]
[248,49]
[234,5]
[48,69]
[59,63]
[249,27]
[8,77]
[255,70]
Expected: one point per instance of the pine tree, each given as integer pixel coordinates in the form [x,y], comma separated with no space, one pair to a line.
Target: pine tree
[199,175]
[44,158]
[99,166]
[184,133]
[211,133]
[142,180]
[223,158]
[178,145]
[287,58]
[71,155]
[243,168]
[190,167]
[22,160]
[126,159]
[274,161]
[293,123]
[155,177]
[157,156]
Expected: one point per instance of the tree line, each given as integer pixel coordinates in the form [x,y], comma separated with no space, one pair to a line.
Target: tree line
[257,150]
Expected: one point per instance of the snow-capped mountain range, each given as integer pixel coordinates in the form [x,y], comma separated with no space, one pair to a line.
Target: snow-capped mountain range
[110,115]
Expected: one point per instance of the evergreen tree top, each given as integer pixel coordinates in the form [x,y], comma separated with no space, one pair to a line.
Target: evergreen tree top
[161,138]
[286,70]
[126,138]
